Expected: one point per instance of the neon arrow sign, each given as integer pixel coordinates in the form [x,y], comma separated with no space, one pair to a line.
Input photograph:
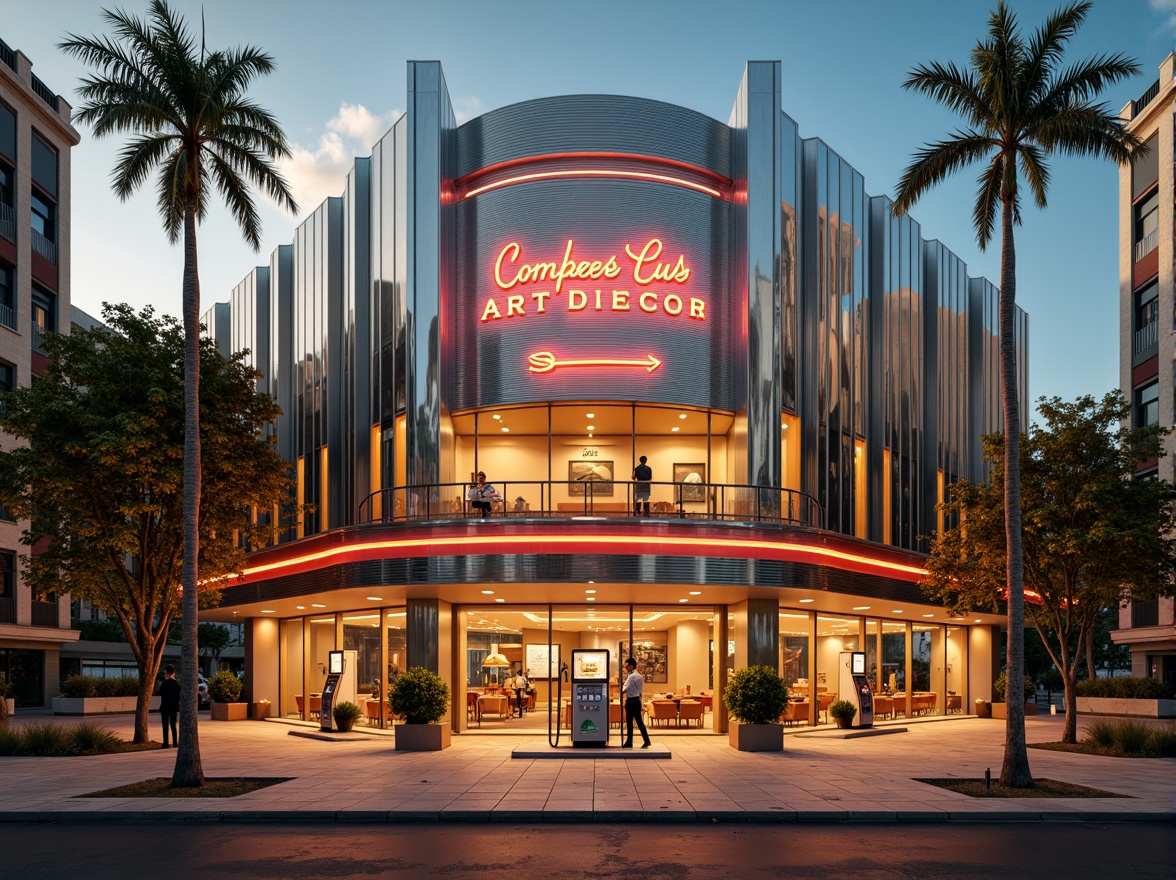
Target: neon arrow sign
[545,362]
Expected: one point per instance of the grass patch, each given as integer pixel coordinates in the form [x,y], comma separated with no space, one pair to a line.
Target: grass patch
[1119,738]
[214,787]
[45,739]
[1042,788]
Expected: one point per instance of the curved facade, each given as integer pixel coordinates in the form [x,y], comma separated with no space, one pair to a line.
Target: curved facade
[553,289]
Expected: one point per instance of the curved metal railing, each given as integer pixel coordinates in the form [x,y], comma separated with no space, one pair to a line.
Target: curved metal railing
[564,499]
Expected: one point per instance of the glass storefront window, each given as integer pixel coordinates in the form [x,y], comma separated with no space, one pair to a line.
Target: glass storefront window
[290,665]
[894,674]
[794,647]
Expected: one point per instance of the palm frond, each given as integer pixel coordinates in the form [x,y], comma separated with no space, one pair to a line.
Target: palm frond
[1086,79]
[137,160]
[987,200]
[169,194]
[1044,52]
[1087,130]
[256,170]
[933,162]
[949,85]
[1036,171]
[235,191]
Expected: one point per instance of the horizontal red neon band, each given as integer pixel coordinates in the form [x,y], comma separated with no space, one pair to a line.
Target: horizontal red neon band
[587,156]
[595,172]
[596,543]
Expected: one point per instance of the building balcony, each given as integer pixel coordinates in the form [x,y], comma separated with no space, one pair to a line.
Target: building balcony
[45,614]
[1146,339]
[1147,244]
[44,248]
[7,222]
[7,610]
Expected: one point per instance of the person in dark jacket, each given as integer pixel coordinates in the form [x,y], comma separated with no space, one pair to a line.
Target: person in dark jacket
[169,705]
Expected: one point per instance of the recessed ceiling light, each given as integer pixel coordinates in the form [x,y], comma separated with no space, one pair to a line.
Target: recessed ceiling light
[896,611]
[590,591]
[592,427]
[590,599]
[317,605]
[499,600]
[590,415]
[683,600]
[977,620]
[497,417]
[808,600]
[591,582]
[375,598]
[487,592]
[267,611]
[928,615]
[506,430]
[681,415]
[298,607]
[675,428]
[861,607]
[696,592]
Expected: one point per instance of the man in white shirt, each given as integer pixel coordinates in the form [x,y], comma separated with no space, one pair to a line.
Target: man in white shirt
[519,685]
[632,690]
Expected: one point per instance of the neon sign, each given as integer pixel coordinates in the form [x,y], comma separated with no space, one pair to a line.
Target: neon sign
[646,268]
[545,362]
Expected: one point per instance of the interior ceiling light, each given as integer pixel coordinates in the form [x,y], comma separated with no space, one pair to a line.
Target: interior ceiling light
[590,415]
[675,428]
[682,415]
[696,592]
[592,427]
[499,600]
[591,599]
[497,417]
[298,607]
[375,598]
[861,607]
[897,611]
[928,615]
[807,600]
[683,600]
[267,611]
[590,592]
[487,592]
[317,605]
[506,430]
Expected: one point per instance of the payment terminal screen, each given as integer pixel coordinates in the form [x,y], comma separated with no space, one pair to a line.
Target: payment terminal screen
[590,665]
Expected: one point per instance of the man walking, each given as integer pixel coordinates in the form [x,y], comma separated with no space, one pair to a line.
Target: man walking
[169,705]
[633,688]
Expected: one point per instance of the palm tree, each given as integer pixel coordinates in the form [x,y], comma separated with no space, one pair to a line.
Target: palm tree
[1020,105]
[189,117]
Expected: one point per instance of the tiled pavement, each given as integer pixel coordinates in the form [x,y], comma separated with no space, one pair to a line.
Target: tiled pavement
[820,777]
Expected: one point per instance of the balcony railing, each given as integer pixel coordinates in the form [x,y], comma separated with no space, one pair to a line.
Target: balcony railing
[44,613]
[8,222]
[7,610]
[44,247]
[596,499]
[7,55]
[1146,98]
[44,92]
[1147,244]
[1146,337]
[1145,613]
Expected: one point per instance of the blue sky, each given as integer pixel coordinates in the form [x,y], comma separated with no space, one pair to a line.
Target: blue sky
[341,81]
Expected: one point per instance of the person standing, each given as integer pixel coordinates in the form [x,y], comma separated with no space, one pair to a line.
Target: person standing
[642,474]
[633,688]
[519,683]
[169,705]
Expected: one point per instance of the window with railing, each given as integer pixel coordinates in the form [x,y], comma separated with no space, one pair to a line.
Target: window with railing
[43,218]
[45,613]
[7,211]
[1147,225]
[7,574]
[44,316]
[7,295]
[1147,318]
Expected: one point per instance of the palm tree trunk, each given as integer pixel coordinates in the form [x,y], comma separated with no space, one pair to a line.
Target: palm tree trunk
[1015,770]
[188,773]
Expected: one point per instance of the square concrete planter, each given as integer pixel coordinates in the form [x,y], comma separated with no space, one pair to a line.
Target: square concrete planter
[756,737]
[1001,710]
[98,705]
[422,737]
[230,711]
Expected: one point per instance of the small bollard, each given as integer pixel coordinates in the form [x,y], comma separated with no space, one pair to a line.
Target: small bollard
[987,780]
[1053,710]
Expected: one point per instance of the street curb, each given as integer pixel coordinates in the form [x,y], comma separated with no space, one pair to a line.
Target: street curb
[586,817]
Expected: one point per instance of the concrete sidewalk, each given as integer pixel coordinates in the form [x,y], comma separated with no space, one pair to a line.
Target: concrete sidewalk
[820,777]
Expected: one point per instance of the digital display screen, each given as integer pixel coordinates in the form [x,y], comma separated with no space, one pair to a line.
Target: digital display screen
[335,662]
[590,665]
[858,663]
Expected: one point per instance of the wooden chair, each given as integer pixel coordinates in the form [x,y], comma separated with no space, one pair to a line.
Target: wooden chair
[823,701]
[883,706]
[298,701]
[371,709]
[472,706]
[614,714]
[690,710]
[663,711]
[494,704]
[796,710]
[316,705]
[708,703]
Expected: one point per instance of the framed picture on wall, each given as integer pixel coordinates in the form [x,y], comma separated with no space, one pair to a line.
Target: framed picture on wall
[538,663]
[651,660]
[691,480]
[593,476]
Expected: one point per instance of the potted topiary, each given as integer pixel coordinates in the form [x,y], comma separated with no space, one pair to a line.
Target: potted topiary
[345,715]
[842,711]
[1000,708]
[756,697]
[225,690]
[422,697]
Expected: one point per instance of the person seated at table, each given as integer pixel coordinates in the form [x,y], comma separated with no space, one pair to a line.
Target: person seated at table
[482,495]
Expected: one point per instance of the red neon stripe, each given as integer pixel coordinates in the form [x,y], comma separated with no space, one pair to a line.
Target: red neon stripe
[718,179]
[594,172]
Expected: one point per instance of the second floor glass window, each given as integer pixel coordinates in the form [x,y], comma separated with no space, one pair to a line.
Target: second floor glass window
[1147,405]
[1147,306]
[7,296]
[43,216]
[1147,225]
[44,315]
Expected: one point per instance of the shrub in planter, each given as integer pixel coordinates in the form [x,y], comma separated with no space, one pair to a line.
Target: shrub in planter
[756,695]
[224,687]
[842,711]
[420,695]
[1001,683]
[4,688]
[1124,688]
[345,715]
[89,686]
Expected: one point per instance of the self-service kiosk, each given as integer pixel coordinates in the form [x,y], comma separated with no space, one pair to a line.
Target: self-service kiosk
[335,669]
[590,697]
[854,686]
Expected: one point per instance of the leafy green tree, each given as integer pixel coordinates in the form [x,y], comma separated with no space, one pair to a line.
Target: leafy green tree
[1019,105]
[1093,535]
[214,638]
[100,474]
[189,118]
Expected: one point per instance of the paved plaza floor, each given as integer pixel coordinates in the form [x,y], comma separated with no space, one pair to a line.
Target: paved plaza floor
[821,776]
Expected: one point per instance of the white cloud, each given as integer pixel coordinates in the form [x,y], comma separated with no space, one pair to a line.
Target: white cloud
[1168,8]
[318,171]
[465,109]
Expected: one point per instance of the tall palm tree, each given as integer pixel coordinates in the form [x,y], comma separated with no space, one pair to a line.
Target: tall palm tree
[189,117]
[1020,105]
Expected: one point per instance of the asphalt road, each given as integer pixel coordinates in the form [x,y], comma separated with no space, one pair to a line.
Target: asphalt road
[554,852]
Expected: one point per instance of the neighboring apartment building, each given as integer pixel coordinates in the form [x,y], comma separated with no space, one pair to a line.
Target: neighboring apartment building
[1147,332]
[35,141]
